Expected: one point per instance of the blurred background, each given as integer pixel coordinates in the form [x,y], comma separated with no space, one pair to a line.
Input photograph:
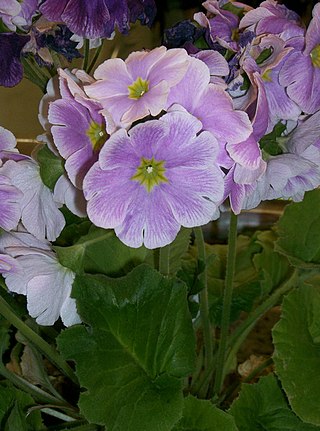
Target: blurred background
[19,105]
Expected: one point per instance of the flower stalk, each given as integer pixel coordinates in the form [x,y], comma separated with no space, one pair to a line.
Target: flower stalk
[227,301]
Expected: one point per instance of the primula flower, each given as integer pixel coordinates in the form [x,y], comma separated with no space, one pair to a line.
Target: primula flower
[98,18]
[138,86]
[272,17]
[10,211]
[31,268]
[152,180]
[39,213]
[301,71]
[77,127]
[11,70]
[295,170]
[211,104]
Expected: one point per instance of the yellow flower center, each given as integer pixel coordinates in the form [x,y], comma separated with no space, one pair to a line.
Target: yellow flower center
[266,76]
[138,88]
[97,135]
[150,173]
[315,56]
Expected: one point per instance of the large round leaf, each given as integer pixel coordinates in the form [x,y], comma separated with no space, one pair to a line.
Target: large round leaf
[297,351]
[138,346]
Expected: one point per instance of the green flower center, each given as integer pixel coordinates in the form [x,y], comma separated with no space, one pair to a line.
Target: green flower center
[150,173]
[315,56]
[138,88]
[266,76]
[97,135]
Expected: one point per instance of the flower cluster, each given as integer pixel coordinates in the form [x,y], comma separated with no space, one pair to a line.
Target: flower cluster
[163,138]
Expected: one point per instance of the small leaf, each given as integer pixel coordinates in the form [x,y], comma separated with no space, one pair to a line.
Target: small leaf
[297,351]
[299,231]
[263,406]
[100,251]
[137,348]
[51,166]
[202,415]
[14,415]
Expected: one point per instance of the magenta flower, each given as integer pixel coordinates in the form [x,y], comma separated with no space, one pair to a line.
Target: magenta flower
[152,180]
[301,71]
[132,89]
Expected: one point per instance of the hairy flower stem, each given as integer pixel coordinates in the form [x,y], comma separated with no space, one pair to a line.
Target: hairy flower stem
[164,260]
[37,341]
[226,308]
[204,305]
[241,333]
[95,57]
[33,72]
[86,54]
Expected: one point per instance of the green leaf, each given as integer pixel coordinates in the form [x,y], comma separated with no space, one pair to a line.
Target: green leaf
[100,251]
[51,166]
[202,415]
[14,414]
[138,346]
[297,351]
[271,143]
[263,407]
[274,267]
[299,231]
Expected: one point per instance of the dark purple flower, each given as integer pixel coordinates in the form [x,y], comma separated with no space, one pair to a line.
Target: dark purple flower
[59,41]
[142,10]
[98,18]
[182,33]
[11,70]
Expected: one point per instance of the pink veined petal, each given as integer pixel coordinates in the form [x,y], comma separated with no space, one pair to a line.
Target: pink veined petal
[7,139]
[149,221]
[246,153]
[171,67]
[108,201]
[113,79]
[218,116]
[139,63]
[66,194]
[189,90]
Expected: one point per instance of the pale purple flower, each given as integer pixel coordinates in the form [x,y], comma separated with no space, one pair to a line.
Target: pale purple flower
[273,18]
[290,174]
[280,105]
[10,196]
[10,9]
[65,193]
[39,213]
[139,86]
[78,131]
[222,24]
[211,104]
[301,71]
[31,268]
[152,180]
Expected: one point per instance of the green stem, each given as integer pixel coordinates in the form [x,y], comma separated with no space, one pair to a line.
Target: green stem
[33,72]
[241,333]
[164,260]
[204,303]
[227,301]
[36,340]
[86,54]
[95,57]
[37,393]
